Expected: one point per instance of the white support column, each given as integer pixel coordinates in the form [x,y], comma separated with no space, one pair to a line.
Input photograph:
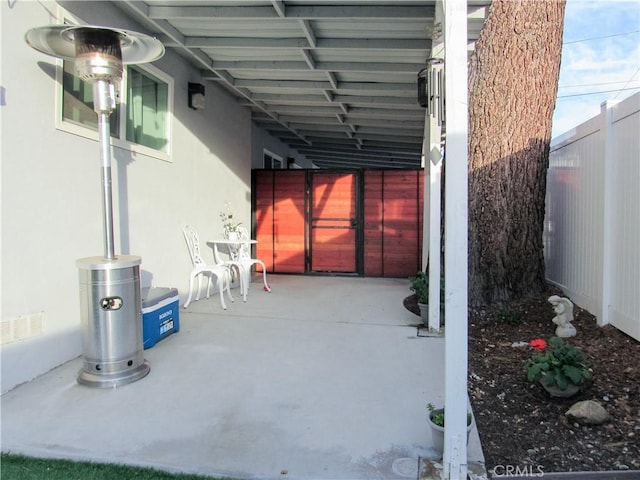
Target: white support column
[426,207]
[606,113]
[456,244]
[435,204]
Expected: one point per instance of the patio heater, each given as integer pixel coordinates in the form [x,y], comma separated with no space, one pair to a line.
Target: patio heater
[110,302]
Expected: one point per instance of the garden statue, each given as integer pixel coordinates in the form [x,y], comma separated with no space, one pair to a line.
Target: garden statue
[564,316]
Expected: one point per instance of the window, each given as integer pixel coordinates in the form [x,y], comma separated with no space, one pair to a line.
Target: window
[141,121]
[77,102]
[147,110]
[271,161]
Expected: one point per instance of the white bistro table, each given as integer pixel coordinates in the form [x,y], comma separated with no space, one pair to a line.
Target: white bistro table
[232,246]
[243,262]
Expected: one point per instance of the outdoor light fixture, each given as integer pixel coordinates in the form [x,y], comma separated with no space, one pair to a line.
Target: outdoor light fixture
[110,299]
[423,98]
[196,96]
[431,88]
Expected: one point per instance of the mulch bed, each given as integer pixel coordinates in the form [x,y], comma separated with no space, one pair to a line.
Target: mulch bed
[519,424]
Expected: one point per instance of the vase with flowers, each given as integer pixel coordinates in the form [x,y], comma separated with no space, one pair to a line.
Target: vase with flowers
[229,223]
[559,367]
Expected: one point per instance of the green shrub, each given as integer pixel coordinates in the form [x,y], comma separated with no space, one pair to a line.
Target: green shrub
[557,364]
[420,286]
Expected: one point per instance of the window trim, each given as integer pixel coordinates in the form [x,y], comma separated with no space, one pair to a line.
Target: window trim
[274,157]
[120,142]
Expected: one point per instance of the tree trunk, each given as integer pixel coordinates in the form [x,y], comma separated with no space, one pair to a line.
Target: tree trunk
[513,80]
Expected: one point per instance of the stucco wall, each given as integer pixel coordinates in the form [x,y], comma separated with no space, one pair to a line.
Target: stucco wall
[51,212]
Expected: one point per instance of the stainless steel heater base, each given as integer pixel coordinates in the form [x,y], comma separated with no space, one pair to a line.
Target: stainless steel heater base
[111,317]
[101,380]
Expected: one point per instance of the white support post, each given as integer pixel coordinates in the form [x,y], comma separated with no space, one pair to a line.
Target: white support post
[434,123]
[456,244]
[426,207]
[606,113]
[435,203]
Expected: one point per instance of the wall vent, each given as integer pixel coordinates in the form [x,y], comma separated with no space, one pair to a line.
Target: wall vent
[21,328]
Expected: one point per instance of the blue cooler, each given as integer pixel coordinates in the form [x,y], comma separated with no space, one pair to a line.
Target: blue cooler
[160,314]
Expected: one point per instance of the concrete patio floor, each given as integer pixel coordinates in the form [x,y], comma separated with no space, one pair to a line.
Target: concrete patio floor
[323,378]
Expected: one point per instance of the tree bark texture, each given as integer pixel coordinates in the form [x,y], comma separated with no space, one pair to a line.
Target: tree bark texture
[513,80]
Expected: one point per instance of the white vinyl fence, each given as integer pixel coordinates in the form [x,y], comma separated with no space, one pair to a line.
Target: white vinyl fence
[592,224]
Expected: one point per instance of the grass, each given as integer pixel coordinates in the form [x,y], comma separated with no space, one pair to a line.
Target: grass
[18,467]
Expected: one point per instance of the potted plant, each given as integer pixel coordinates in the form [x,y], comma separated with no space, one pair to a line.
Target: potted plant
[420,287]
[559,367]
[436,422]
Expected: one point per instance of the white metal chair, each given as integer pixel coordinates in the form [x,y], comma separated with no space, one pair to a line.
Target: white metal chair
[232,263]
[201,268]
[246,262]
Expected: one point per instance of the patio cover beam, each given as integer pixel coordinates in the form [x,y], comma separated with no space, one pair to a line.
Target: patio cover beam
[311,12]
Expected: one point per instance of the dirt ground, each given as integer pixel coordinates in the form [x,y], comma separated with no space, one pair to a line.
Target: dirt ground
[519,424]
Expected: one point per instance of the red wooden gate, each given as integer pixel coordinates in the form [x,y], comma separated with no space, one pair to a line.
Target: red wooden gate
[333,222]
[367,222]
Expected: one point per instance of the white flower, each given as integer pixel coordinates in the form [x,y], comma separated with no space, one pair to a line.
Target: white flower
[228,223]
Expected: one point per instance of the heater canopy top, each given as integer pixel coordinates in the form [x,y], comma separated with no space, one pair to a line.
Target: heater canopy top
[60,41]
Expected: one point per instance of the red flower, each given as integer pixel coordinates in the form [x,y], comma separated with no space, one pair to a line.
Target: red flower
[538,344]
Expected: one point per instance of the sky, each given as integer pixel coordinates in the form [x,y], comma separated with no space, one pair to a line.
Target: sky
[600,53]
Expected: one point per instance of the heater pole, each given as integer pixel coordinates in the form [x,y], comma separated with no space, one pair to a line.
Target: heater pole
[107,205]
[103,101]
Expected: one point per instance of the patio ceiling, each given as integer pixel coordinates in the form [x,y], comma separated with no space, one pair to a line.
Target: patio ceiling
[334,80]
